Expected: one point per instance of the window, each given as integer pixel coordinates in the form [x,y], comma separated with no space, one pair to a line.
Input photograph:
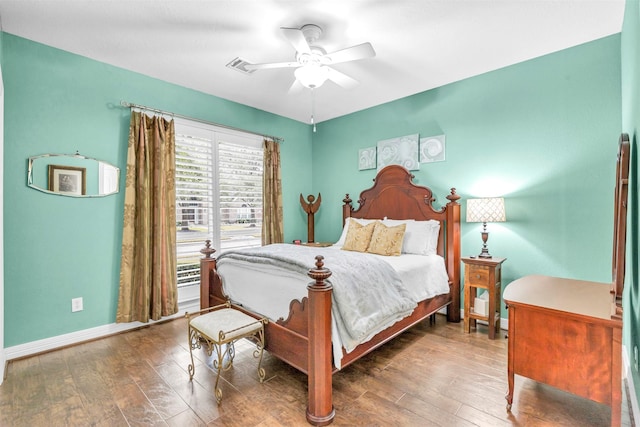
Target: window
[218,196]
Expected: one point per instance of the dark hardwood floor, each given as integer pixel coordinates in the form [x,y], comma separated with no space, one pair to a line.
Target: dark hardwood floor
[430,375]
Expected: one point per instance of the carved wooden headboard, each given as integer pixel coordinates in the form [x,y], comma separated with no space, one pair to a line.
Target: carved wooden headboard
[395,196]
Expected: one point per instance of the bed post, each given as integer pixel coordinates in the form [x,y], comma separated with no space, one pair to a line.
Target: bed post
[207,265]
[453,254]
[320,411]
[347,207]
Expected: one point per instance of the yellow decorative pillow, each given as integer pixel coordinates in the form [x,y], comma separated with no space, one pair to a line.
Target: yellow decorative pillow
[358,236]
[387,240]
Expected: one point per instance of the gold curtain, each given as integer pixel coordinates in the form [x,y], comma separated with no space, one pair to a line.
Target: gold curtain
[272,224]
[148,277]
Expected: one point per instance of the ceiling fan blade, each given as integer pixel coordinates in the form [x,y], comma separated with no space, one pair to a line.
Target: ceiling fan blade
[353,53]
[297,39]
[271,65]
[342,79]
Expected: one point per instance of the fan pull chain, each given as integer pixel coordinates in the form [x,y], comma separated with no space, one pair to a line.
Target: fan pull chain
[313,109]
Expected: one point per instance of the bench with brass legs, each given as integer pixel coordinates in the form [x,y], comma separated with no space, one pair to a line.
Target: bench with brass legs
[219,328]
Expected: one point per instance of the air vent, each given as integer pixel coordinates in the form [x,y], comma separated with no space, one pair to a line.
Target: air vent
[240,64]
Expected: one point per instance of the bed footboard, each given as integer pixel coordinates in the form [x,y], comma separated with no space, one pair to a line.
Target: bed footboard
[302,344]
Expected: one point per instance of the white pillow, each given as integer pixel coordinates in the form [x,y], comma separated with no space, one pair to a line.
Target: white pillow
[345,229]
[420,237]
[434,228]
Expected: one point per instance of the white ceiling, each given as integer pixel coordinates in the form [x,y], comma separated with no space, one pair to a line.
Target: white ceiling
[420,44]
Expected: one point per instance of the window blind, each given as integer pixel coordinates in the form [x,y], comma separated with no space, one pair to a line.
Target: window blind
[218,195]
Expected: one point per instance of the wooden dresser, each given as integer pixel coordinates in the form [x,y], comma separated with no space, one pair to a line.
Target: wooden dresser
[561,333]
[568,333]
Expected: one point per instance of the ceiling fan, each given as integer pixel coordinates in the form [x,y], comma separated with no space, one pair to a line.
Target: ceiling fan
[312,62]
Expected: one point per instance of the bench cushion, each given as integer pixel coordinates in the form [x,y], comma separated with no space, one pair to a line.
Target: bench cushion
[225,320]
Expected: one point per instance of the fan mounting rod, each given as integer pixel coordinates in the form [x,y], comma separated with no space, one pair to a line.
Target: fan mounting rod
[311,33]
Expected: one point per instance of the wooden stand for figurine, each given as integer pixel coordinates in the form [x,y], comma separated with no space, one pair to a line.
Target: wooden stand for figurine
[310,206]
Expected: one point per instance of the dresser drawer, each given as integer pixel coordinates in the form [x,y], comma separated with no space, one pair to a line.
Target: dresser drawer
[477,275]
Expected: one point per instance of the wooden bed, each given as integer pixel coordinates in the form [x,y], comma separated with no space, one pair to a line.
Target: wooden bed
[307,345]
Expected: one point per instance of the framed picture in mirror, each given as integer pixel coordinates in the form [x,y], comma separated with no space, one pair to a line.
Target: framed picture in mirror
[68,180]
[59,173]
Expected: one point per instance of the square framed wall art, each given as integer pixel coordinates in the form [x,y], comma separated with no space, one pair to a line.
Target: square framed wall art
[432,149]
[367,158]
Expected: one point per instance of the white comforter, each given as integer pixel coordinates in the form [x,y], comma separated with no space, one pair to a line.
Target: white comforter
[369,294]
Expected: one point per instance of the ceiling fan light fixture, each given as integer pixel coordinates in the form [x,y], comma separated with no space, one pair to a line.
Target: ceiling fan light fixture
[312,76]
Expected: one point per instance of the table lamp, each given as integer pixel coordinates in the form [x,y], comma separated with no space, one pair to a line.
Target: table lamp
[485,210]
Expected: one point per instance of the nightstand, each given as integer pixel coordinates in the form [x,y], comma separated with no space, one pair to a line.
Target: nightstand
[482,273]
[317,244]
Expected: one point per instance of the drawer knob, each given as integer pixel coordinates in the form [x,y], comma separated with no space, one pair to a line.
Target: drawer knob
[477,276]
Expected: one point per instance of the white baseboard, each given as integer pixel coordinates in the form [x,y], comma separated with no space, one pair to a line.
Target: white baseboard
[48,344]
[504,323]
[3,365]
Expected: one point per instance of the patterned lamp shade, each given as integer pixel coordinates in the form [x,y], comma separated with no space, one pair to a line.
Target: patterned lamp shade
[486,210]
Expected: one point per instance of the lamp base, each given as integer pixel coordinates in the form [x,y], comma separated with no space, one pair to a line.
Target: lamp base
[485,236]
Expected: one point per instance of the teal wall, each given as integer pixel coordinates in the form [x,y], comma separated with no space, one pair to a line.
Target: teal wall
[59,248]
[631,124]
[542,133]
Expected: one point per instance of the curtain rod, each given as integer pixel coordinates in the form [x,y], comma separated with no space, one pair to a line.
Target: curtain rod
[169,113]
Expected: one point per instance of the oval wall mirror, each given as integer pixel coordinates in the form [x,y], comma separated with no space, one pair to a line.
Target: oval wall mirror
[72,175]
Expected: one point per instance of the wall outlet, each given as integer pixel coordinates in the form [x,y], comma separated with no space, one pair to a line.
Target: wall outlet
[76,304]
